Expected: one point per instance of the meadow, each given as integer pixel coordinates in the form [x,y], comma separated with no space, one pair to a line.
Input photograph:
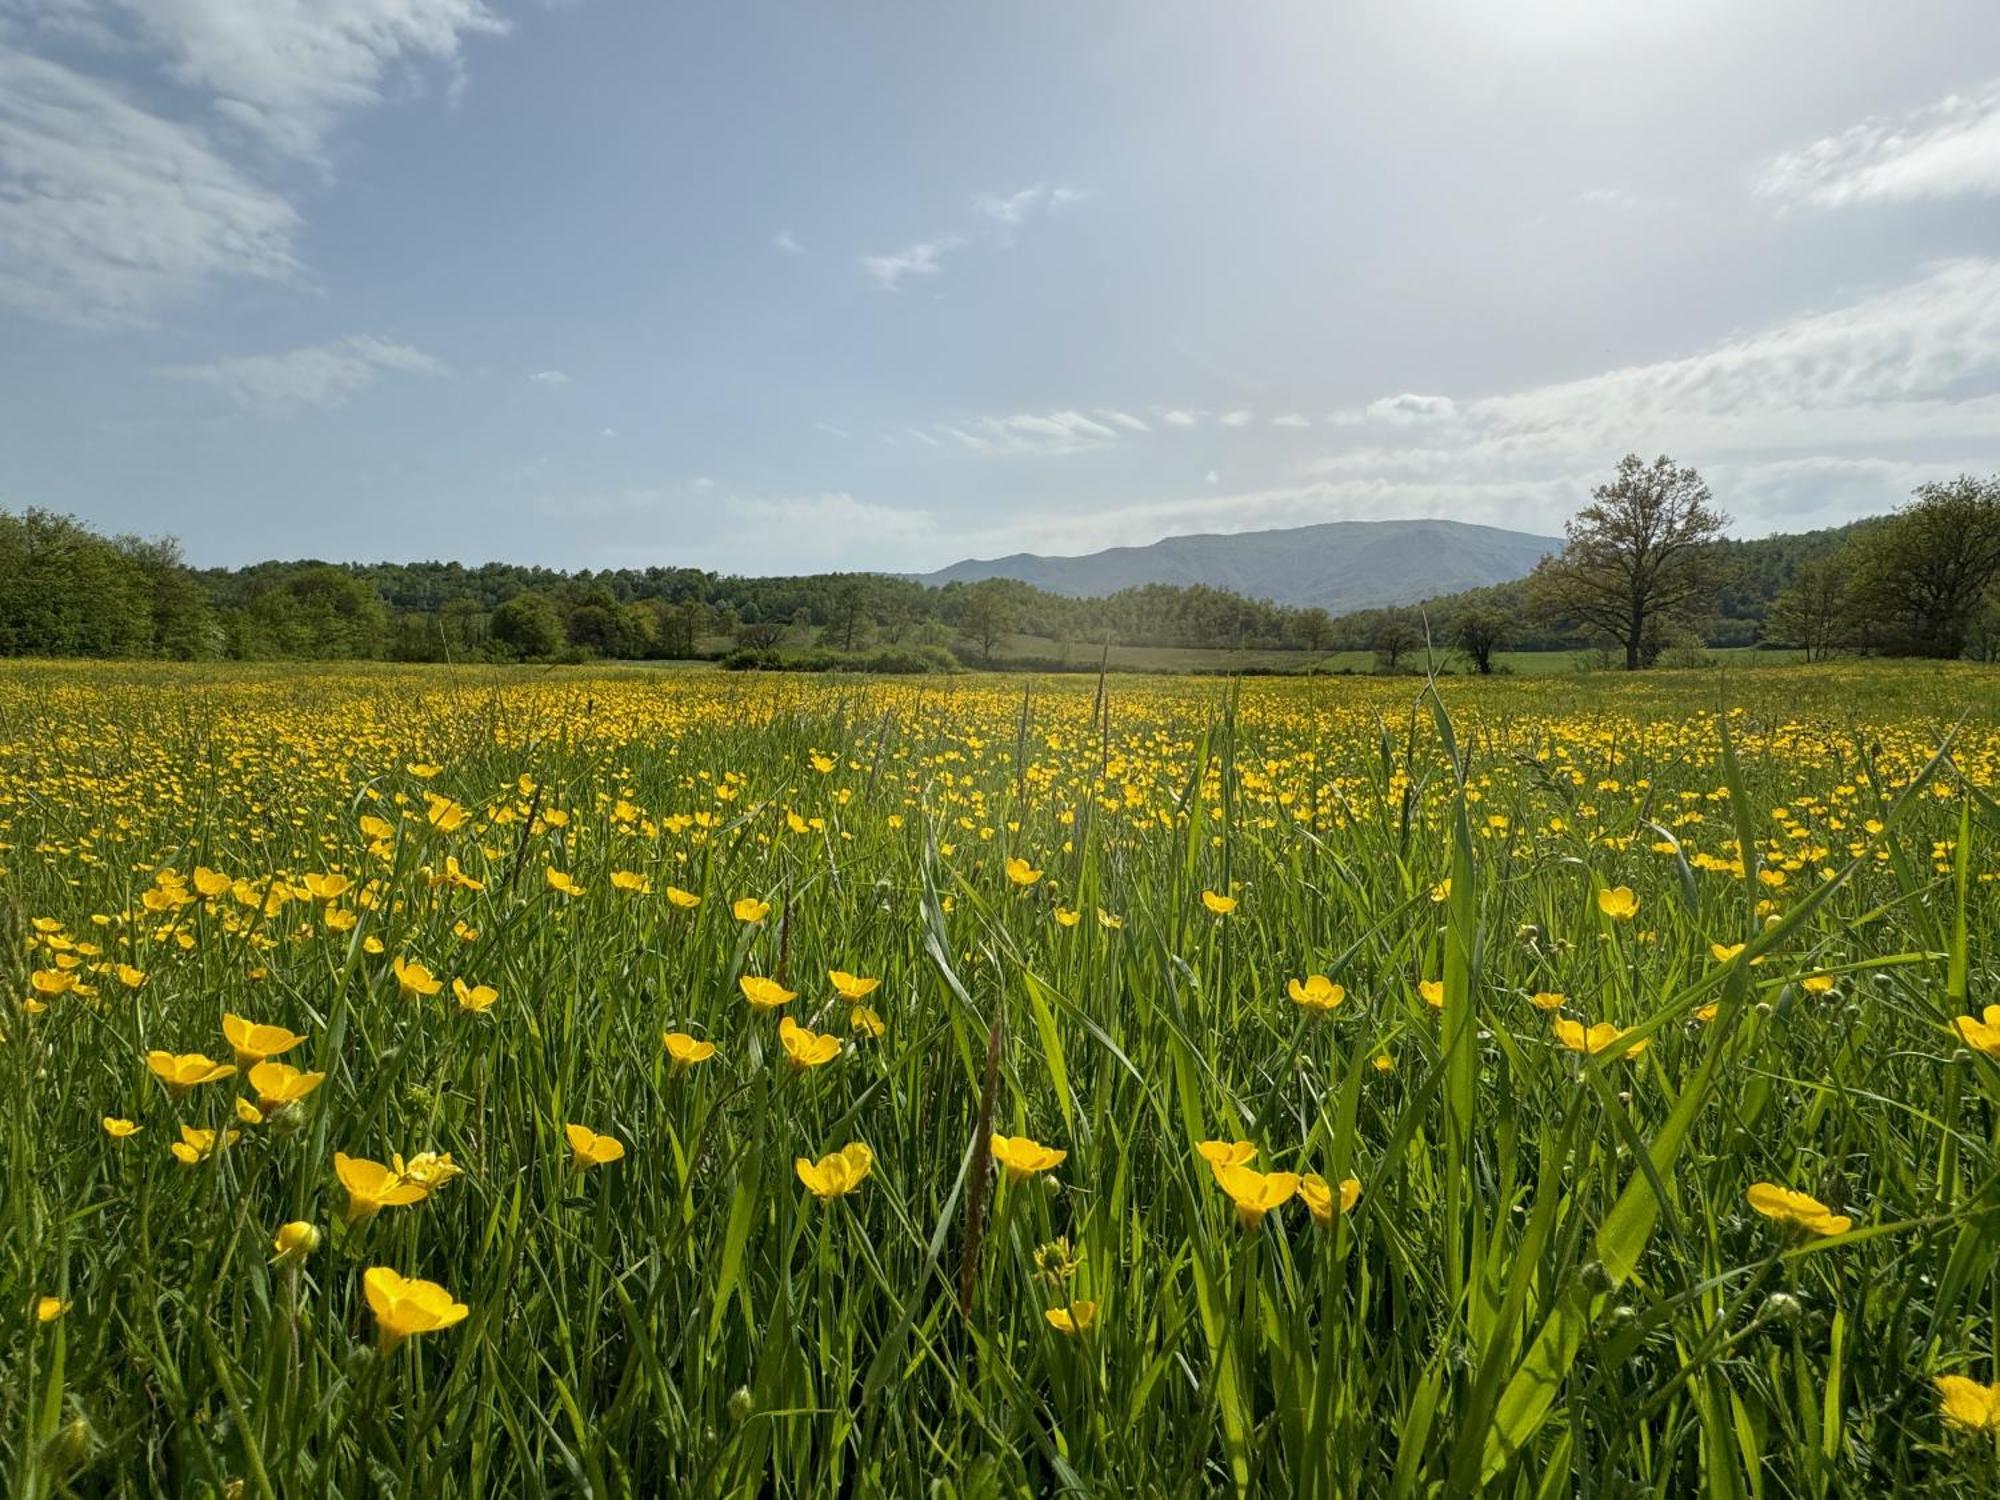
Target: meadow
[590,1082]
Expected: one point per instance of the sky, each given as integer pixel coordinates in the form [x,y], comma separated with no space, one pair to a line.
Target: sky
[780,287]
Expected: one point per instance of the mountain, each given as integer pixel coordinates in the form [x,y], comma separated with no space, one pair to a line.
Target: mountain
[1337,565]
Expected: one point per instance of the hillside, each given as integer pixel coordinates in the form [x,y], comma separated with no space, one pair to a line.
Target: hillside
[1337,565]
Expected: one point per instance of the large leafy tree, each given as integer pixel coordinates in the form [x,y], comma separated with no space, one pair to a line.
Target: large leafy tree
[1919,583]
[1640,556]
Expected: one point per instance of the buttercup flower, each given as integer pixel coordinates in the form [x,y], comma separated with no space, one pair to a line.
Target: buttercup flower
[413,979]
[372,1187]
[1023,1157]
[837,1173]
[851,987]
[119,1129]
[279,1084]
[750,909]
[404,1306]
[1020,872]
[1796,1209]
[1315,992]
[763,993]
[1074,1319]
[1222,906]
[1968,1405]
[183,1071]
[1982,1034]
[1329,1202]
[1574,1036]
[429,1170]
[1618,903]
[475,999]
[1220,1154]
[807,1049]
[198,1145]
[1255,1193]
[589,1149]
[685,1050]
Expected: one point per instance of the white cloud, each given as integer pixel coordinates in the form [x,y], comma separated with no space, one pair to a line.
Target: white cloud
[925,259]
[1179,418]
[1123,419]
[111,210]
[832,431]
[1012,209]
[1400,411]
[1235,419]
[1781,419]
[1037,433]
[1289,419]
[288,70]
[323,375]
[785,241]
[108,212]
[1947,149]
[549,377]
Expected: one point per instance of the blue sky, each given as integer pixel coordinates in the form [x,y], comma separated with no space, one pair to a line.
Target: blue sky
[778,287]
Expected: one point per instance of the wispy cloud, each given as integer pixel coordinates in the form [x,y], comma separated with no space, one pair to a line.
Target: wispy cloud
[110,209]
[1944,150]
[323,375]
[997,214]
[925,259]
[1016,208]
[1038,433]
[1405,410]
[108,212]
[786,241]
[549,377]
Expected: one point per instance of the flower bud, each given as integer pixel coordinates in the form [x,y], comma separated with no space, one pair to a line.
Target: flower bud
[1781,1307]
[295,1242]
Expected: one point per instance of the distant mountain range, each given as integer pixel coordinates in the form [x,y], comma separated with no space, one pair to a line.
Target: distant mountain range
[1337,565]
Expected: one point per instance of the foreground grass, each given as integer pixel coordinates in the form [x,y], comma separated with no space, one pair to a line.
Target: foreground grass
[1551,1280]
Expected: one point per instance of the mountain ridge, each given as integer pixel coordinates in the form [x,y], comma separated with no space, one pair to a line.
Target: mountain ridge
[1334,565]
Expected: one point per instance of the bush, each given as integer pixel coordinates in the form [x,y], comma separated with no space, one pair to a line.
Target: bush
[884,660]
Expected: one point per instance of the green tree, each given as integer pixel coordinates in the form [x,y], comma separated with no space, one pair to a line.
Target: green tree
[1641,557]
[1813,612]
[1479,633]
[1920,581]
[1396,633]
[986,613]
[527,627]
[318,612]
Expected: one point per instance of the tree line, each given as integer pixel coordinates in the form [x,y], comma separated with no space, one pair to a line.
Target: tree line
[1645,575]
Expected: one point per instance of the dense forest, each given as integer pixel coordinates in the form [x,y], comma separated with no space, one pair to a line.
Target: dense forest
[66,590]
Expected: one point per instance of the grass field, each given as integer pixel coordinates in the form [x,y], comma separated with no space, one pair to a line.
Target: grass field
[1548,1086]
